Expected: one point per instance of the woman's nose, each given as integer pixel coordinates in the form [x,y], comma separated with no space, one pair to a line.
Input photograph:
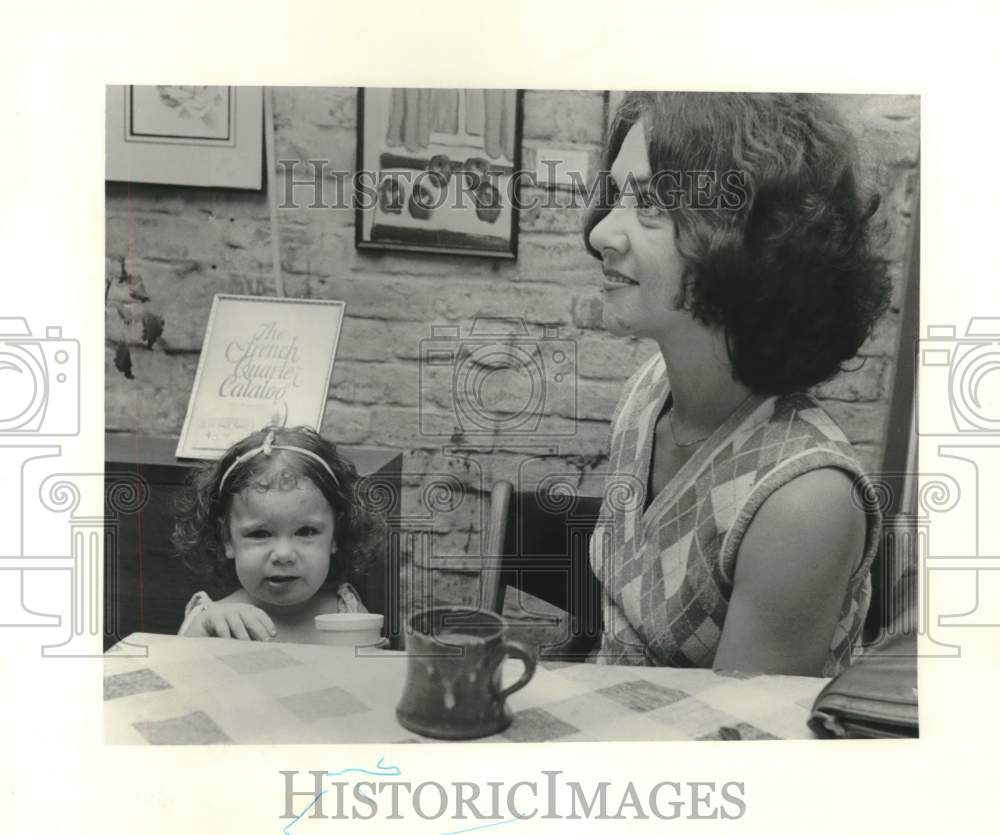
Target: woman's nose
[608,235]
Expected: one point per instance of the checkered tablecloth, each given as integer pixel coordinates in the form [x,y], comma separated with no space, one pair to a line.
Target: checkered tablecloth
[205,690]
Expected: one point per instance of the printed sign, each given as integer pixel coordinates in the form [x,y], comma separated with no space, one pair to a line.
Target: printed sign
[264,361]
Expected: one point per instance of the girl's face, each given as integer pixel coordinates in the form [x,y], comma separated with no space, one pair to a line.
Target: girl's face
[643,270]
[282,541]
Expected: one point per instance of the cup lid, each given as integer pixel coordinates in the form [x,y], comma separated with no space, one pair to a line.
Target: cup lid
[349,622]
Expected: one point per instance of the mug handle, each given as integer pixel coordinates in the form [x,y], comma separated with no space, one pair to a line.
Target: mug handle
[519,651]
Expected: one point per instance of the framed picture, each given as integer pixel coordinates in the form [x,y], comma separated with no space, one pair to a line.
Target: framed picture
[437,170]
[186,136]
[264,361]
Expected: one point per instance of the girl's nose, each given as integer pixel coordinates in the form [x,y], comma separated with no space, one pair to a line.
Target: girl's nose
[283,550]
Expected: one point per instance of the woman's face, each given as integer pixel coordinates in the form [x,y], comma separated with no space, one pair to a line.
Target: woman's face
[642,268]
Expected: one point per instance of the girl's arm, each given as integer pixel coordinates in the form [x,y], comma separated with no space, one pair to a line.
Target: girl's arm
[791,576]
[225,619]
[192,627]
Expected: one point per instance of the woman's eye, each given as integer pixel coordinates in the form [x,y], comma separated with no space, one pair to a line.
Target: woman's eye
[647,205]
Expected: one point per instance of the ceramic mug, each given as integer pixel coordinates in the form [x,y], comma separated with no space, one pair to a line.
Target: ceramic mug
[453,675]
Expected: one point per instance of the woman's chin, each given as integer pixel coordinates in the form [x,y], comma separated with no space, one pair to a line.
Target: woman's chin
[614,325]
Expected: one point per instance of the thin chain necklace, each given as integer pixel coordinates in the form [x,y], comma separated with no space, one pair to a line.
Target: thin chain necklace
[686,444]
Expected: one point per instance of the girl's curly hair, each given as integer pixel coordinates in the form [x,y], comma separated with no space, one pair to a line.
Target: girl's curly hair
[776,236]
[202,510]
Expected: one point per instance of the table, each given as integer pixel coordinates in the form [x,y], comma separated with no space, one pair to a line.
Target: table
[198,691]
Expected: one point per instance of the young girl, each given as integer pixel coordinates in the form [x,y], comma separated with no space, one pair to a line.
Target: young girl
[276,526]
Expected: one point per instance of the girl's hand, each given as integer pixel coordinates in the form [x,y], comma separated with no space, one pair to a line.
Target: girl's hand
[234,620]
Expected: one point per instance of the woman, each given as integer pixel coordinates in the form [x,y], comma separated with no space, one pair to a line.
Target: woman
[732,233]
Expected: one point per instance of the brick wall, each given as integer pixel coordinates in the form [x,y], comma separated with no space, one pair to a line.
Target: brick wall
[188,244]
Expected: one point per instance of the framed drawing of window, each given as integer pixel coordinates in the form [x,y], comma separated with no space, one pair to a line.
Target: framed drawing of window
[439,170]
[264,361]
[185,135]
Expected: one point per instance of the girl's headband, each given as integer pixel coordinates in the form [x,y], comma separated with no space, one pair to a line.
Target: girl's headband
[266,448]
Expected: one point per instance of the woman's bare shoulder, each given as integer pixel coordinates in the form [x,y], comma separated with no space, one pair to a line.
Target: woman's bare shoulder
[792,574]
[809,526]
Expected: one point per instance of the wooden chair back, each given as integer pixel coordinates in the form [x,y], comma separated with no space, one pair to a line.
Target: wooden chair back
[539,542]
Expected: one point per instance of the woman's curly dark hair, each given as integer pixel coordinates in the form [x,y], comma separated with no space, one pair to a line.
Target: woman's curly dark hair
[781,257]
[202,510]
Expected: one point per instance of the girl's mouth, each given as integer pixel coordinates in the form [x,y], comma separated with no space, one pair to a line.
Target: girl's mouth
[281,580]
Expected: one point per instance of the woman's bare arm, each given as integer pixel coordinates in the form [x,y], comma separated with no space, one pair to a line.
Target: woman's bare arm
[791,576]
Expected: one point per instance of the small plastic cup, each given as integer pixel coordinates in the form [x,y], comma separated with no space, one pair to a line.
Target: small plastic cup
[349,629]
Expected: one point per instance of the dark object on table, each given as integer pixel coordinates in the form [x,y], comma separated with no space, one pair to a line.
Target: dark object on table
[876,697]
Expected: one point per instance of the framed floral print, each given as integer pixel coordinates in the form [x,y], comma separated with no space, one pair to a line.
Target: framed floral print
[198,135]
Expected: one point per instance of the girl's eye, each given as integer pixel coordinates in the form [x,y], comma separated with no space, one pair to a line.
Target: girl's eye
[259,533]
[307,531]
